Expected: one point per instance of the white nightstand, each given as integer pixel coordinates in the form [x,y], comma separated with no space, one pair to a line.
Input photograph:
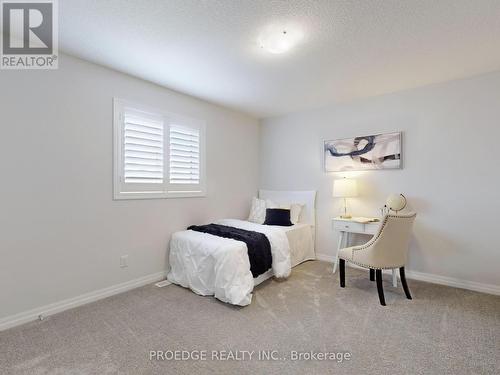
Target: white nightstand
[347,226]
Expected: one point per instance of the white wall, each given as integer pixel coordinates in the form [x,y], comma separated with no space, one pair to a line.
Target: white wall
[450,176]
[61,232]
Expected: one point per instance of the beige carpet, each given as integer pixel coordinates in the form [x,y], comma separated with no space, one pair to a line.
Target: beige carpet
[441,331]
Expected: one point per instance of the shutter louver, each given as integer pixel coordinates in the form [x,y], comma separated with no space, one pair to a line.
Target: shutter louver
[184,155]
[143,149]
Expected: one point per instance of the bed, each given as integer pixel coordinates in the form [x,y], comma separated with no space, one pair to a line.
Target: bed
[216,266]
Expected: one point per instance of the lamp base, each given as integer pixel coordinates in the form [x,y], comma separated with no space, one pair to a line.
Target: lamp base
[345,216]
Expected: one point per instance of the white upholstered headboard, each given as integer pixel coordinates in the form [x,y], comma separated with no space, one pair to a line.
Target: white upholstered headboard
[307,198]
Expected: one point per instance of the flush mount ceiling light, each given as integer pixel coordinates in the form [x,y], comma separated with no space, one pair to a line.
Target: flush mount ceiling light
[276,39]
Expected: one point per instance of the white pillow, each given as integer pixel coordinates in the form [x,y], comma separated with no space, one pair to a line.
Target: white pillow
[295,209]
[258,211]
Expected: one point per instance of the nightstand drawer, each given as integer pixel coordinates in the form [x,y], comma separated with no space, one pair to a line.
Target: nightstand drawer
[348,226]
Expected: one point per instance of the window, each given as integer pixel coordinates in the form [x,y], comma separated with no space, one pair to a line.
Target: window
[184,156]
[143,150]
[157,154]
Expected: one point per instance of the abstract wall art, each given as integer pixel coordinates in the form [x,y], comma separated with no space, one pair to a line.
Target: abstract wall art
[379,151]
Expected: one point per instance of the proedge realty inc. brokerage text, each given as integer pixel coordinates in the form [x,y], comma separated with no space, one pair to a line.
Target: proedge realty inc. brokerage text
[247,355]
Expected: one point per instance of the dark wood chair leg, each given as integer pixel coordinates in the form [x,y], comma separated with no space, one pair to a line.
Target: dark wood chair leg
[342,272]
[372,274]
[403,281]
[380,289]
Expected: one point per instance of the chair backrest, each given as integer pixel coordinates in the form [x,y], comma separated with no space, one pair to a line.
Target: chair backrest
[390,244]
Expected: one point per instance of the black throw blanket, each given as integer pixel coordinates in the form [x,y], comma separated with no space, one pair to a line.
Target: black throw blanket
[259,248]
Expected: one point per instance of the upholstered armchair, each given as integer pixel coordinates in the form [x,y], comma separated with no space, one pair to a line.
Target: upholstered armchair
[387,249]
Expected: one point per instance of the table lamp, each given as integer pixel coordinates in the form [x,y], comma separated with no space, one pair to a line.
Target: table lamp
[345,188]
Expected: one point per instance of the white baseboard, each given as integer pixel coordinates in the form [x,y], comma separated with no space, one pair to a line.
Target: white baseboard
[456,283]
[435,279]
[53,308]
[325,257]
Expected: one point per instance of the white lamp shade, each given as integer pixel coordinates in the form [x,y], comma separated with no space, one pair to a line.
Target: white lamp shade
[345,188]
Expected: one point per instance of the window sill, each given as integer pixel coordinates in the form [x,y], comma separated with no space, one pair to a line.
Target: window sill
[158,195]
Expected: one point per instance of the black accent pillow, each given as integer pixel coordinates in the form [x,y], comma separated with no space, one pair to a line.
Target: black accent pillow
[278,216]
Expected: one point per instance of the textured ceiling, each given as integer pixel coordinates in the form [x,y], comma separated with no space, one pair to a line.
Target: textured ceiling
[351,48]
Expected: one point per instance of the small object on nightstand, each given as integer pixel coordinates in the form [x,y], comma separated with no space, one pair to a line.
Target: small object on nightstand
[345,188]
[365,220]
[396,202]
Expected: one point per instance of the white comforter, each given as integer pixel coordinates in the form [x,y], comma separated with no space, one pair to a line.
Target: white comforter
[211,265]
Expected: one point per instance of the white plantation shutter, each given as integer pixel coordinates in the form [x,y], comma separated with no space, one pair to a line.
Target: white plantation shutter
[184,145]
[143,149]
[156,154]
